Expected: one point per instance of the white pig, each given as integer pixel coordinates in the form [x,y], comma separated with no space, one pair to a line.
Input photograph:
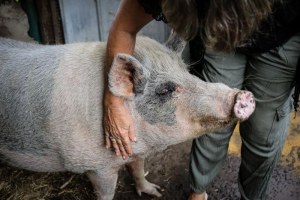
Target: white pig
[51,107]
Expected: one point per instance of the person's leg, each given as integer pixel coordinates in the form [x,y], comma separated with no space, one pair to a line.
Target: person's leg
[209,151]
[269,76]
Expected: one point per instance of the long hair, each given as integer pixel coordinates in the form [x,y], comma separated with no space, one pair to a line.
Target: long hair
[222,24]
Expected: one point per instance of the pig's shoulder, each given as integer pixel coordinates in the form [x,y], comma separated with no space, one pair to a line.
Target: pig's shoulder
[144,41]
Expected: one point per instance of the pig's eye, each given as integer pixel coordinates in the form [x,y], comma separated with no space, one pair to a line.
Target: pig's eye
[165,88]
[163,91]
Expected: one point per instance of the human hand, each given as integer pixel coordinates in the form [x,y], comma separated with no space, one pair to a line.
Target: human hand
[118,126]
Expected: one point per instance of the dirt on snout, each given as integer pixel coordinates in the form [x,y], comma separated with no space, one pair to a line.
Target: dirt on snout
[169,169]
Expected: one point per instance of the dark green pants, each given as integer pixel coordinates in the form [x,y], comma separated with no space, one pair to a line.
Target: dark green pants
[270,77]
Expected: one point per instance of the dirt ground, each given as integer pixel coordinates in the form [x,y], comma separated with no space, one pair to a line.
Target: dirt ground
[168,169]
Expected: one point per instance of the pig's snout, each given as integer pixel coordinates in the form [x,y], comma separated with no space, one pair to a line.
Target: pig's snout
[244,105]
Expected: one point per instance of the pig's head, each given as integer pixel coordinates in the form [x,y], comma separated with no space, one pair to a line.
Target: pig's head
[166,101]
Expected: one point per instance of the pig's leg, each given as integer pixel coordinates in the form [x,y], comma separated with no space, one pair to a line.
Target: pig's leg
[104,183]
[142,185]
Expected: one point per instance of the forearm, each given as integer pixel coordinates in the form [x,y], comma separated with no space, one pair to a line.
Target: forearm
[129,19]
[118,42]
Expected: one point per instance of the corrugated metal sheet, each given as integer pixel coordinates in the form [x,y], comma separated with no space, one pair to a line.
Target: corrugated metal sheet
[90,20]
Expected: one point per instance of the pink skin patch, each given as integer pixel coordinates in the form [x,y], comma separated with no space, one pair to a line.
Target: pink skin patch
[244,105]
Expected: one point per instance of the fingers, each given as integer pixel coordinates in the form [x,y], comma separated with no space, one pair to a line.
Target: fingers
[107,140]
[131,134]
[125,142]
[122,149]
[115,146]
[118,146]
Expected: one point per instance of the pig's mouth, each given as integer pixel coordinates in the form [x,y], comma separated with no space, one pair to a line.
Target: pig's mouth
[214,123]
[225,121]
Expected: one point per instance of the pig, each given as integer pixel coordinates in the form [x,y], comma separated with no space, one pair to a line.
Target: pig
[51,107]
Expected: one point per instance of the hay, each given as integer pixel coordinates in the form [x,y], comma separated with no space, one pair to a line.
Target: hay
[24,185]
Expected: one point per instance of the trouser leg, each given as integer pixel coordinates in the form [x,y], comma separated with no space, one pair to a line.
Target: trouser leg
[209,151]
[269,76]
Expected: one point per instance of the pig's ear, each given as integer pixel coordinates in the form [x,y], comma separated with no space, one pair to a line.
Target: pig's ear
[175,43]
[126,77]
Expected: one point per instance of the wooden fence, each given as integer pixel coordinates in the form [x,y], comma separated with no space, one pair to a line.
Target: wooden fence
[90,20]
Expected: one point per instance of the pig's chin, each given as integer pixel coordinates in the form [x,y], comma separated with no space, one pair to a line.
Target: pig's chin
[217,124]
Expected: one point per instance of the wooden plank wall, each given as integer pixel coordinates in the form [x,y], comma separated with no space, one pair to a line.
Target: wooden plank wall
[50,27]
[90,20]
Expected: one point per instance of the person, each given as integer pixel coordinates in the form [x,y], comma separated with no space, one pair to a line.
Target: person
[250,44]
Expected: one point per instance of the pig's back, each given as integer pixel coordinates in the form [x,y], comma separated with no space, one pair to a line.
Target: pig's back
[32,83]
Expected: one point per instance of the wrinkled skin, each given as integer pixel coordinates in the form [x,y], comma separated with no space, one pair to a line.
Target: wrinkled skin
[118,128]
[51,108]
